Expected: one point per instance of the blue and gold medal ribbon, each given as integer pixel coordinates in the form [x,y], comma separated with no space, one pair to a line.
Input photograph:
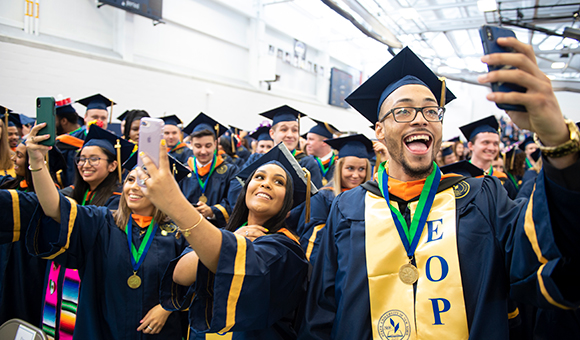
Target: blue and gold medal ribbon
[410,236]
[137,256]
[324,171]
[203,184]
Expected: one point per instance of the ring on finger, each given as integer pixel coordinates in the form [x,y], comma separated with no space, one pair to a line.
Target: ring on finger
[149,328]
[246,233]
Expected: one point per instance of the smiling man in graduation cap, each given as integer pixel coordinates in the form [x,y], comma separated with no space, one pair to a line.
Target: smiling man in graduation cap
[173,137]
[420,255]
[209,183]
[483,137]
[97,110]
[322,152]
[286,128]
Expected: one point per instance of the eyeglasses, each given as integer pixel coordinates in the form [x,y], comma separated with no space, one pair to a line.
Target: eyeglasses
[93,161]
[408,114]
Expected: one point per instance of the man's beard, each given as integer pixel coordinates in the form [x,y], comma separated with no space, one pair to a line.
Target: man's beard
[420,172]
[59,130]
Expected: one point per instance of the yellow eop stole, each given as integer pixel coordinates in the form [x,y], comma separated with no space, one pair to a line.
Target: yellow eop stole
[438,309]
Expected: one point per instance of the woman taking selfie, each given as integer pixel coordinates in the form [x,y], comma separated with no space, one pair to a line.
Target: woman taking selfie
[120,256]
[249,277]
[352,169]
[22,275]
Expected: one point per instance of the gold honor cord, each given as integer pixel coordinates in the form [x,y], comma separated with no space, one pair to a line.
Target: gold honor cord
[118,148]
[307,204]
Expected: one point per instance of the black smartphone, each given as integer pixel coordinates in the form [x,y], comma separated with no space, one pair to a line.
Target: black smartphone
[46,113]
[489,35]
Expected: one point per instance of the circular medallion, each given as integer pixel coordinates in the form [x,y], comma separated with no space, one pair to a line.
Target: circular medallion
[163,233]
[394,325]
[202,198]
[461,189]
[324,181]
[408,273]
[222,169]
[134,281]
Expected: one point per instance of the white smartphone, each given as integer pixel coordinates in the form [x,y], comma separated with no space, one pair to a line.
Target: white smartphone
[150,135]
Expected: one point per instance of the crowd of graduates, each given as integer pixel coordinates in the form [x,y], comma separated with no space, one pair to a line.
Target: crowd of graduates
[269,234]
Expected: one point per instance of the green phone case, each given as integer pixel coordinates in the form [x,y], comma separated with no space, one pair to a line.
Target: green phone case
[46,113]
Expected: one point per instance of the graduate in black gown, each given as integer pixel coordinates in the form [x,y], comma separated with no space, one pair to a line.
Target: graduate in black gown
[120,256]
[207,186]
[22,275]
[172,134]
[249,277]
[352,169]
[322,152]
[420,255]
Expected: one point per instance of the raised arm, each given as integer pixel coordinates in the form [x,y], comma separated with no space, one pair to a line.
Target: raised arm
[43,185]
[163,191]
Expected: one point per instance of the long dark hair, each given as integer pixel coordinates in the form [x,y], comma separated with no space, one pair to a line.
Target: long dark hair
[103,191]
[132,115]
[275,223]
[14,183]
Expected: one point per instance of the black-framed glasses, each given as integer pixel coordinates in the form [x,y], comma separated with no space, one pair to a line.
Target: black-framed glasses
[408,114]
[93,161]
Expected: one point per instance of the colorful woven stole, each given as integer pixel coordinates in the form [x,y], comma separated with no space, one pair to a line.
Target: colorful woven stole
[437,309]
[62,292]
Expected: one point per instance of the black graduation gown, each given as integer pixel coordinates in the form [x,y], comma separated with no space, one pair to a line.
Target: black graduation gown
[88,239]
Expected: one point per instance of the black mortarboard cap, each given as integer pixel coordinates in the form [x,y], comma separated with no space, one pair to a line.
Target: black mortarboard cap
[205,122]
[525,142]
[404,69]
[262,133]
[283,113]
[536,154]
[18,119]
[96,101]
[509,157]
[355,145]
[178,170]
[487,124]
[171,120]
[64,106]
[446,151]
[323,129]
[454,139]
[464,168]
[282,157]
[103,138]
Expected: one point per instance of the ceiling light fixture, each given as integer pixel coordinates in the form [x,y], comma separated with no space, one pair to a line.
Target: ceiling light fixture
[558,65]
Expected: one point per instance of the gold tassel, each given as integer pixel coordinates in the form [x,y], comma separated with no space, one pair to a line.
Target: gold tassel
[443,88]
[307,204]
[118,147]
[59,178]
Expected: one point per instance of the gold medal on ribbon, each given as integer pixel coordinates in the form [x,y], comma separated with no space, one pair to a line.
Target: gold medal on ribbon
[324,181]
[408,273]
[202,198]
[134,281]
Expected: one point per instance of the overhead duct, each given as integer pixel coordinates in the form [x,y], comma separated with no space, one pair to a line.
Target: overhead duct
[369,25]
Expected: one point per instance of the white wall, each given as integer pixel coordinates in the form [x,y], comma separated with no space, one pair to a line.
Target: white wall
[205,58]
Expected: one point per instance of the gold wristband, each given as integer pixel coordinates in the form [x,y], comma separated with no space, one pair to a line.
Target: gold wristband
[186,232]
[35,170]
[569,147]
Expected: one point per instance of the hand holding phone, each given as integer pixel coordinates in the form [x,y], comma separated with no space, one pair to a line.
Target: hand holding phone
[489,35]
[46,113]
[150,135]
